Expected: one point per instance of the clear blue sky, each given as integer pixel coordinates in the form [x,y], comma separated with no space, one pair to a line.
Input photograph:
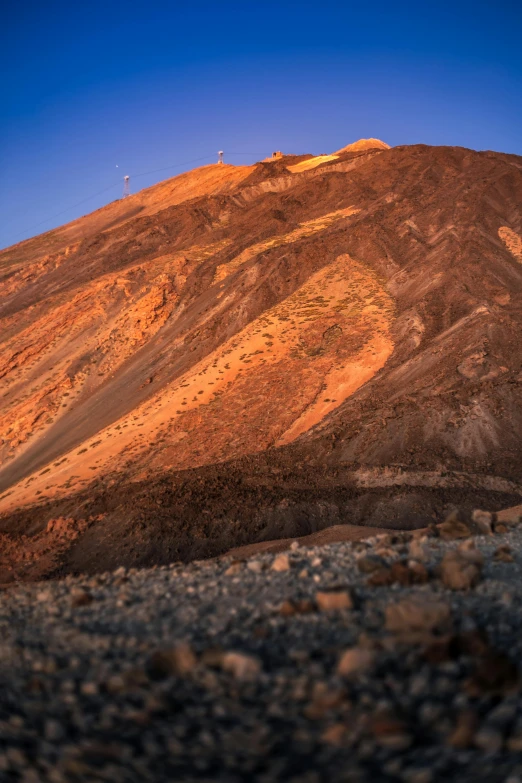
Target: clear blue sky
[88,86]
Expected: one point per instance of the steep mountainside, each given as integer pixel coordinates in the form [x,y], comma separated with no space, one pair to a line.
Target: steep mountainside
[243,353]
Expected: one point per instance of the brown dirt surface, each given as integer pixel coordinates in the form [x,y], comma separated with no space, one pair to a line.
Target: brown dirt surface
[335,534]
[243,354]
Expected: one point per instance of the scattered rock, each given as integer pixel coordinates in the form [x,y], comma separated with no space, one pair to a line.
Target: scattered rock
[136,678]
[417,573]
[504,554]
[334,734]
[324,700]
[367,564]
[412,614]
[470,552]
[337,689]
[390,733]
[489,739]
[242,667]
[461,568]
[334,600]
[483,522]
[89,688]
[281,563]
[454,526]
[401,572]
[381,578]
[464,731]
[418,549]
[53,730]
[178,661]
[234,568]
[494,673]
[80,597]
[303,606]
[115,684]
[357,660]
[385,552]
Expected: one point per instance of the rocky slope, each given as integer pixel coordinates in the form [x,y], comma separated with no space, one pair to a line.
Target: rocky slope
[246,353]
[392,659]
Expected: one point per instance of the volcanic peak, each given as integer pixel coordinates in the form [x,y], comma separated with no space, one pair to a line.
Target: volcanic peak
[364,144]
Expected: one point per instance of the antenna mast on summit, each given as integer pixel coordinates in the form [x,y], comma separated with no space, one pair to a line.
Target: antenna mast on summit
[126,186]
[220,156]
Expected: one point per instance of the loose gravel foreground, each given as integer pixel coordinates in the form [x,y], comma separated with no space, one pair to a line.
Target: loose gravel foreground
[393,659]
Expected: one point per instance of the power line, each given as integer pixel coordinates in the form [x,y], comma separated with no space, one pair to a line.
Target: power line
[73,206]
[134,176]
[174,166]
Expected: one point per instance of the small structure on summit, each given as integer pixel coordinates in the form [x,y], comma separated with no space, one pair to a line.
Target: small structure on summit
[220,156]
[277,155]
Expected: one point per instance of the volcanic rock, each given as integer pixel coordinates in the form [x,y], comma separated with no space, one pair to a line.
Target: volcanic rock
[461,568]
[417,615]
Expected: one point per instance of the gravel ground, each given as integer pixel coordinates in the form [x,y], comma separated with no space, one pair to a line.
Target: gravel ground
[279,668]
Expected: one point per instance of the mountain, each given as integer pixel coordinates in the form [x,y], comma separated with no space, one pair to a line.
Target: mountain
[364,144]
[256,352]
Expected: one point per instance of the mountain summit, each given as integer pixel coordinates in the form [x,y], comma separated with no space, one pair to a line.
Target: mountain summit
[254,352]
[364,144]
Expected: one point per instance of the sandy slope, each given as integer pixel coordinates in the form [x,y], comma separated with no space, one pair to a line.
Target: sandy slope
[311,163]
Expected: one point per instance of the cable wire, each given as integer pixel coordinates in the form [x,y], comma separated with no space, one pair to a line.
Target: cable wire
[174,166]
[133,177]
[73,206]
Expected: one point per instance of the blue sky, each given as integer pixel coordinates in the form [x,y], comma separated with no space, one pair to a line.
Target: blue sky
[93,90]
